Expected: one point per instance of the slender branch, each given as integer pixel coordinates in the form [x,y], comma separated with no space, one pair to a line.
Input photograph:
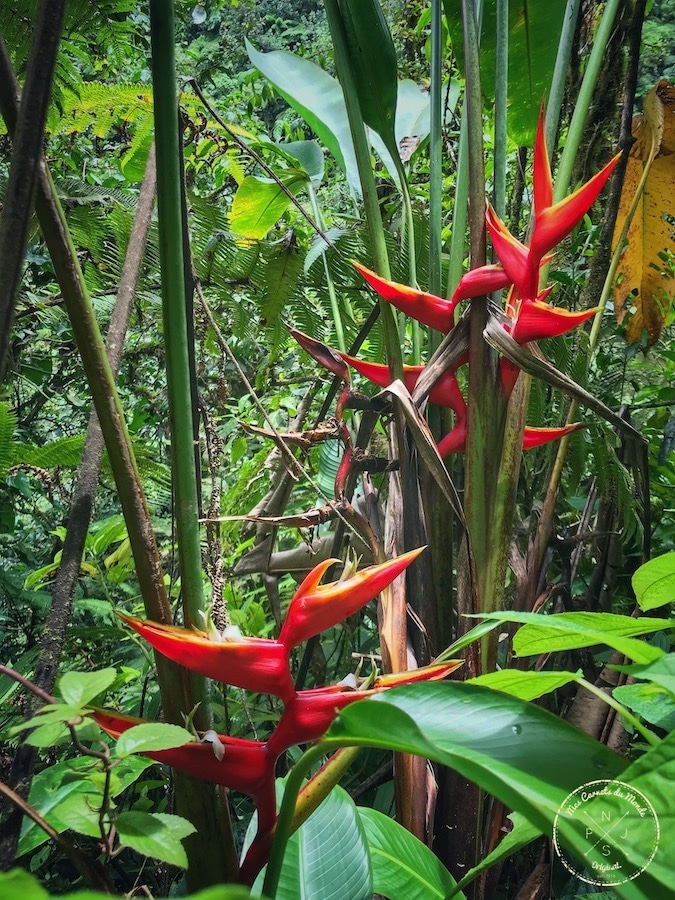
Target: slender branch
[28,126]
[90,869]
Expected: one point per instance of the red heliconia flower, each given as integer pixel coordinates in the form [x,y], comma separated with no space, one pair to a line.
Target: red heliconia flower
[316,607]
[455,440]
[251,663]
[436,312]
[520,263]
[310,713]
[245,766]
[446,392]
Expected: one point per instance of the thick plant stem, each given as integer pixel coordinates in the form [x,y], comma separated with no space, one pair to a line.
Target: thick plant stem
[197,801]
[174,308]
[436,154]
[23,169]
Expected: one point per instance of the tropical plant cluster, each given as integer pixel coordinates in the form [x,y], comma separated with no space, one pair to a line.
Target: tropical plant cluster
[337,449]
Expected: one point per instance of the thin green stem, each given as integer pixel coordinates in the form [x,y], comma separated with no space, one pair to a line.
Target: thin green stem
[501,86]
[459,210]
[332,296]
[436,152]
[562,61]
[284,825]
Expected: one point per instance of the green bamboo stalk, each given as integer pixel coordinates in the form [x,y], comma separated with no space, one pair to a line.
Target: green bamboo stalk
[459,210]
[501,87]
[174,306]
[210,861]
[367,178]
[583,101]
[562,61]
[436,158]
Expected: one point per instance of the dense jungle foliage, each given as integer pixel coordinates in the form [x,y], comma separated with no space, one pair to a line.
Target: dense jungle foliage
[273,207]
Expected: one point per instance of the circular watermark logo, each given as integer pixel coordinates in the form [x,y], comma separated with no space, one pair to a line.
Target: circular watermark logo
[615,824]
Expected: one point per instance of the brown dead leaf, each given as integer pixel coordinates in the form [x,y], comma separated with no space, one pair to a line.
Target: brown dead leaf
[647,265]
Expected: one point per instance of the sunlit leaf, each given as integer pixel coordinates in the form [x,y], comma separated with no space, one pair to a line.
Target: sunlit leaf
[152,736]
[654,582]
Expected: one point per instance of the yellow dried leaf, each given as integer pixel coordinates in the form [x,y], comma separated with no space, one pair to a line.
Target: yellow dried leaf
[645,275]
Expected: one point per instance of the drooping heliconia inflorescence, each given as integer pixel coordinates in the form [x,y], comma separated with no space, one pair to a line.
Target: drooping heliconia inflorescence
[528,316]
[263,665]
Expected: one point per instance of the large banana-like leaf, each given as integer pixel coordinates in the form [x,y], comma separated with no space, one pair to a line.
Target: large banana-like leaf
[534,33]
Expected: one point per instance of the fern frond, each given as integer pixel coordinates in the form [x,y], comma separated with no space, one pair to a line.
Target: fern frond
[7,428]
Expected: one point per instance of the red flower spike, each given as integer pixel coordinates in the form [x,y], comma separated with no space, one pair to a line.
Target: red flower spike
[537,320]
[554,223]
[246,766]
[484,280]
[310,713]
[445,392]
[514,256]
[535,437]
[541,176]
[254,664]
[455,441]
[436,312]
[315,607]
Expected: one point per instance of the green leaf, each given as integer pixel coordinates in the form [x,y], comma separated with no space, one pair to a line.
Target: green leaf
[48,735]
[327,857]
[534,34]
[79,688]
[281,276]
[661,672]
[372,59]
[259,203]
[520,836]
[524,756]
[654,582]
[55,713]
[413,118]
[526,685]
[572,631]
[520,753]
[19,883]
[310,156]
[81,812]
[151,736]
[53,787]
[317,97]
[402,865]
[158,835]
[650,701]
[652,774]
